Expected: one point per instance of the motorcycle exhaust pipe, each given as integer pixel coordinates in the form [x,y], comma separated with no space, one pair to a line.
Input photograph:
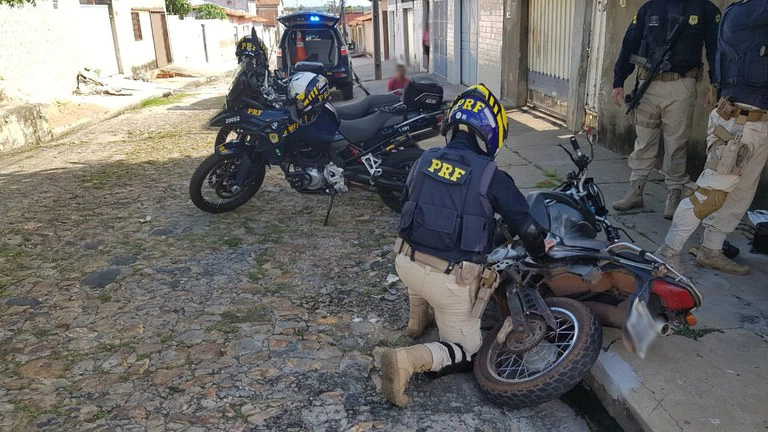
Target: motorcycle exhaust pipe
[388,184]
[663,327]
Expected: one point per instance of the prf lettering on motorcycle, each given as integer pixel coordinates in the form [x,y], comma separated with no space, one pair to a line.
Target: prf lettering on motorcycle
[255,112]
[290,129]
[446,171]
[232,119]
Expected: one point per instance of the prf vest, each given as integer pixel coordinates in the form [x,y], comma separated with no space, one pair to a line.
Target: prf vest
[448,213]
[742,56]
[686,53]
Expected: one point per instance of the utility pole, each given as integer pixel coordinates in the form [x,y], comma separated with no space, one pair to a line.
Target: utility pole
[376,41]
[111,13]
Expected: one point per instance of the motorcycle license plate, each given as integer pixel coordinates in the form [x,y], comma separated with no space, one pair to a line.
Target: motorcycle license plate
[641,327]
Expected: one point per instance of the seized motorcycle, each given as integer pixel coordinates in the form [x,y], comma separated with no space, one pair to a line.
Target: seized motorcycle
[320,155]
[550,333]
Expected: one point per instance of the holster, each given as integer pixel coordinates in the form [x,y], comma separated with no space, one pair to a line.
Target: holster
[727,155]
[489,280]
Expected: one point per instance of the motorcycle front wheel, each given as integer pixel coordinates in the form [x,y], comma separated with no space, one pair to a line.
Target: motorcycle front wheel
[212,186]
[547,371]
[401,160]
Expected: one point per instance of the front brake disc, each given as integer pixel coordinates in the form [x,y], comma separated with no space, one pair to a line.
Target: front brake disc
[521,342]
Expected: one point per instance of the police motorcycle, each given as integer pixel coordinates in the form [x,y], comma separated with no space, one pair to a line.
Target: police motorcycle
[317,152]
[250,47]
[551,311]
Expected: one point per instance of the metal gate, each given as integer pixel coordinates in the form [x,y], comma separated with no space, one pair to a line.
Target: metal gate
[550,24]
[470,15]
[439,31]
[595,95]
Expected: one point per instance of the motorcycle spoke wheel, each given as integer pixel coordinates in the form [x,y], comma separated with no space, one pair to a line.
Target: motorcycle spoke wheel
[509,366]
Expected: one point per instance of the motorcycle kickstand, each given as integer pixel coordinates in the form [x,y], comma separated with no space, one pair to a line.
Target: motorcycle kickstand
[331,196]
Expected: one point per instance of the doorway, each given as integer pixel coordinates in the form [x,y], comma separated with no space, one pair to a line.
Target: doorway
[160,38]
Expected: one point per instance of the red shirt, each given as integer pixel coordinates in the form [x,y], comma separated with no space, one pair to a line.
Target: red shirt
[395,84]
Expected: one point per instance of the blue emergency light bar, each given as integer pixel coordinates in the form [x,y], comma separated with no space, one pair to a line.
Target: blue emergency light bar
[314,18]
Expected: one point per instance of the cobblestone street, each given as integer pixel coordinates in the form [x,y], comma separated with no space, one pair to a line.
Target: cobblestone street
[125,308]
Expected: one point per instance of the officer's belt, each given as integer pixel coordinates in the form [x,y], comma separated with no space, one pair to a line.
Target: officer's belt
[668,76]
[728,110]
[401,246]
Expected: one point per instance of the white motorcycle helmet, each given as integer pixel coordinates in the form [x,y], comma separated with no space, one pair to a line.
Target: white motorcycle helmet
[308,92]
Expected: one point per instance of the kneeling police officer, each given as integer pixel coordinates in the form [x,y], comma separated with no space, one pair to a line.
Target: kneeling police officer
[446,230]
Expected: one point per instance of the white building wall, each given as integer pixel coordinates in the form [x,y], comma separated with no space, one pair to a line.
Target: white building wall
[415,51]
[219,41]
[42,48]
[490,44]
[136,55]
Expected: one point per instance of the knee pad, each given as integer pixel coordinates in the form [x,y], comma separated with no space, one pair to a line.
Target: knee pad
[459,360]
[707,201]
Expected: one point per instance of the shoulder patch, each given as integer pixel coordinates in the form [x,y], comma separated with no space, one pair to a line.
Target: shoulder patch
[446,172]
[693,19]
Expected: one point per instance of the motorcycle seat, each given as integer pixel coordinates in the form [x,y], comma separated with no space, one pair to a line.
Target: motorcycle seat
[363,107]
[363,129]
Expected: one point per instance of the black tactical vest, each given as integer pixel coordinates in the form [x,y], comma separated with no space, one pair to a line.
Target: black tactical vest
[742,55]
[686,53]
[448,213]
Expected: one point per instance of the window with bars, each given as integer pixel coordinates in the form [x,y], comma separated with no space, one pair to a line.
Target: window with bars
[136,26]
[94,2]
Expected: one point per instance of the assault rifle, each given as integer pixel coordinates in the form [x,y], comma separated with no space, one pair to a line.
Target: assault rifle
[655,65]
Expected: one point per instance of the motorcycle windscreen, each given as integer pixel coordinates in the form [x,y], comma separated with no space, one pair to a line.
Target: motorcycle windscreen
[242,84]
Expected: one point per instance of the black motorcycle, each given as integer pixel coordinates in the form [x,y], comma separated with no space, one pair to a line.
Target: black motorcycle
[318,156]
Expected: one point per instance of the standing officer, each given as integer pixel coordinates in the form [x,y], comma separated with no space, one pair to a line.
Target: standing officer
[445,232]
[666,109]
[737,144]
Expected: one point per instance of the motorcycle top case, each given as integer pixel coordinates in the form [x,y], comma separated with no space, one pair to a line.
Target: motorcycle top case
[422,93]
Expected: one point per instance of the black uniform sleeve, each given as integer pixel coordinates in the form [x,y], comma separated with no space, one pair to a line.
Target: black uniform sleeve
[631,45]
[509,202]
[712,23]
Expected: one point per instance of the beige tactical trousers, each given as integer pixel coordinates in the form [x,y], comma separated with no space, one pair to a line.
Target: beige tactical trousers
[665,110]
[452,301]
[740,187]
[724,221]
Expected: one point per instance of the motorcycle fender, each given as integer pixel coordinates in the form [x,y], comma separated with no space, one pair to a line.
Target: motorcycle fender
[229,148]
[225,118]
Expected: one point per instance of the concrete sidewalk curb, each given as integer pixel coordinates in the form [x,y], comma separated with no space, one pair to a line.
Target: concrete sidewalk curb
[613,381]
[84,122]
[27,124]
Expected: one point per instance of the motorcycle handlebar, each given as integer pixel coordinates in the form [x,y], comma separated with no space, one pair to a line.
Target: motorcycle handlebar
[575,144]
